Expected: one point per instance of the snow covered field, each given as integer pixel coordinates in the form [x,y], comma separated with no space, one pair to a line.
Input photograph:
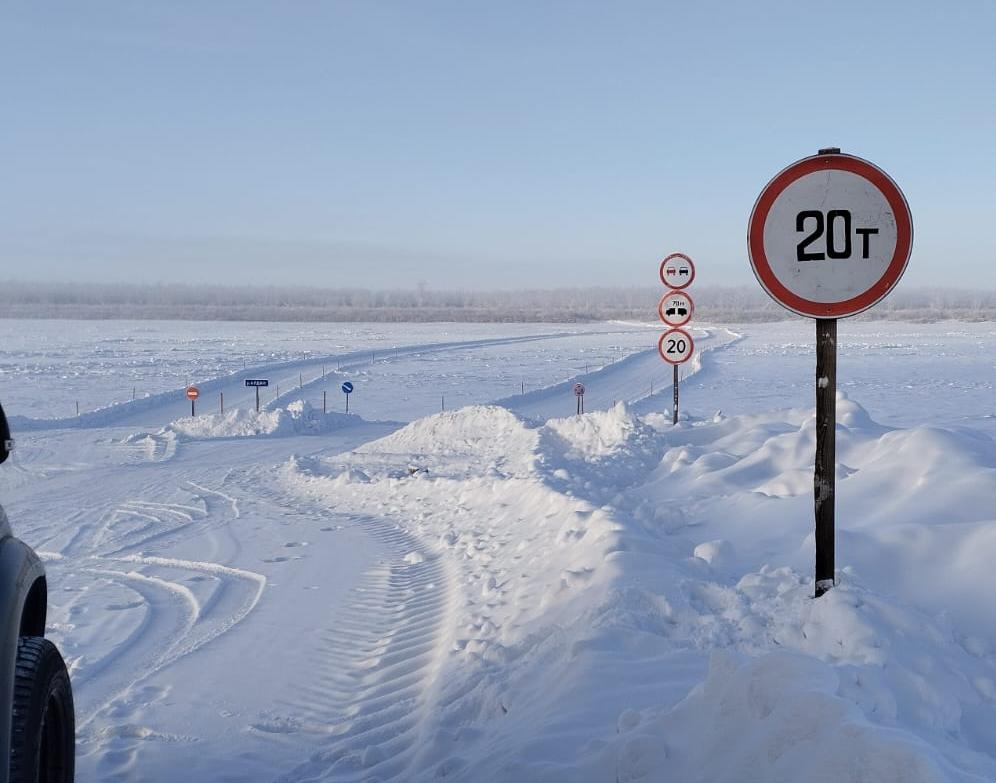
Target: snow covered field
[503,591]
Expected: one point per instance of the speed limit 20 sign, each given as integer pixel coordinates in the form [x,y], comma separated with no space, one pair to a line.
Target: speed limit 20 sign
[676,346]
[830,236]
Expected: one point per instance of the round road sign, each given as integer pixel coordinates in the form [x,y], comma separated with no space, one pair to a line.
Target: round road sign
[579,390]
[347,387]
[676,346]
[830,236]
[677,271]
[193,392]
[676,308]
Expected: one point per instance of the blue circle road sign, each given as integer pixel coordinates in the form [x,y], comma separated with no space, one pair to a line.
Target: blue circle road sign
[347,387]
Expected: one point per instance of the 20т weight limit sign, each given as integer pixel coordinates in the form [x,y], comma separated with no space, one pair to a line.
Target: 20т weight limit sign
[830,236]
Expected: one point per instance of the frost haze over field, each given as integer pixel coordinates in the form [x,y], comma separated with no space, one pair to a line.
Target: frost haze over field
[503,591]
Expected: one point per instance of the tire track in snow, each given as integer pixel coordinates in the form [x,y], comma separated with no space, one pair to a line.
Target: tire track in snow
[176,623]
[377,665]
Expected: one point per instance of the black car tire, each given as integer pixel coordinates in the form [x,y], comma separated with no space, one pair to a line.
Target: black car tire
[43,737]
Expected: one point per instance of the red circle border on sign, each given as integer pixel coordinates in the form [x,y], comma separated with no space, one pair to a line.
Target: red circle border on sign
[660,307]
[691,277]
[691,345]
[864,300]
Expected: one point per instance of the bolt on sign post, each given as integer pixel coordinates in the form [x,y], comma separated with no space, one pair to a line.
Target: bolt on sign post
[829,237]
[677,271]
[347,389]
[579,393]
[257,383]
[192,394]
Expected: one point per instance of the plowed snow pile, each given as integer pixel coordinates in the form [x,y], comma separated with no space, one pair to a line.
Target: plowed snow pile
[298,418]
[632,601]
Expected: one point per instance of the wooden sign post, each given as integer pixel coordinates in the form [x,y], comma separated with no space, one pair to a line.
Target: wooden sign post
[829,237]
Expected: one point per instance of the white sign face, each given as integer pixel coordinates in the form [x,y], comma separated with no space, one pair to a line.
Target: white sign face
[579,390]
[830,236]
[677,271]
[676,346]
[676,308]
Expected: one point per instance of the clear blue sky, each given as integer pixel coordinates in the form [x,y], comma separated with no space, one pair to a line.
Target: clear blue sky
[476,144]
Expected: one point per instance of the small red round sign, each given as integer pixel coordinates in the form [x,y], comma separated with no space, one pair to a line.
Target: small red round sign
[676,308]
[830,236]
[193,393]
[676,346]
[677,271]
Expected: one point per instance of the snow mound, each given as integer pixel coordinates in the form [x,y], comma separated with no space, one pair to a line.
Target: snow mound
[298,418]
[612,448]
[776,718]
[490,438]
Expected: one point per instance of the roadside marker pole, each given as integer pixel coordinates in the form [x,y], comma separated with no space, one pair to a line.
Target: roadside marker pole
[222,394]
[324,402]
[442,402]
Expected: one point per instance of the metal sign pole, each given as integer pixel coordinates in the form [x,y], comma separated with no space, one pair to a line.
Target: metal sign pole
[824,480]
[674,407]
[257,399]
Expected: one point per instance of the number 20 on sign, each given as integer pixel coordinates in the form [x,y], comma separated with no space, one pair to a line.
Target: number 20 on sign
[676,346]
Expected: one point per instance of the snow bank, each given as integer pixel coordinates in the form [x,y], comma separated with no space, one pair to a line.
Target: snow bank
[633,601]
[775,717]
[298,418]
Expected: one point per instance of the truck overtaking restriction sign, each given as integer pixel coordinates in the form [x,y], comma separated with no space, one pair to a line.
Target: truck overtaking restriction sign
[676,308]
[830,236]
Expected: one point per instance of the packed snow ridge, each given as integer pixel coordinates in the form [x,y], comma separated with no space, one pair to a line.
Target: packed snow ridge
[617,598]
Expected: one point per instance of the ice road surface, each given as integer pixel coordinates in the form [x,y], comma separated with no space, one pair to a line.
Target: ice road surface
[504,591]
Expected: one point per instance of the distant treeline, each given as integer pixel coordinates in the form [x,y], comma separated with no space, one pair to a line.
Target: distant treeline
[560,305]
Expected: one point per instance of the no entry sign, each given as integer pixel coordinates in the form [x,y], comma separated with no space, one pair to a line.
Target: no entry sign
[830,236]
[193,393]
[676,308]
[676,346]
